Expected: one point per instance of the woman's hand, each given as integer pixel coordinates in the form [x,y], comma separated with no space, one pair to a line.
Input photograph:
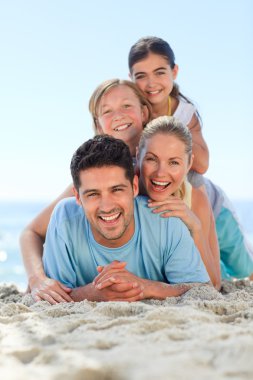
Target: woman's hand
[176,207]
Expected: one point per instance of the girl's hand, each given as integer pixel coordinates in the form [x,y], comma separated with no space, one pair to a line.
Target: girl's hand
[176,207]
[50,290]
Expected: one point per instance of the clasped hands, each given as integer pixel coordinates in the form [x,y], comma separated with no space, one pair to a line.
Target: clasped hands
[115,283]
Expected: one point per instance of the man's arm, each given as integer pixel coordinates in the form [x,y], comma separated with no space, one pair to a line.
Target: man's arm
[112,275]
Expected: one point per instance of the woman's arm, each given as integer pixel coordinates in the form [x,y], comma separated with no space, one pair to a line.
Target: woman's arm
[198,220]
[207,241]
[199,147]
[31,244]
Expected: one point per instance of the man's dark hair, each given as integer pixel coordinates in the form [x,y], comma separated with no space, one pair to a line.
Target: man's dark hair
[101,151]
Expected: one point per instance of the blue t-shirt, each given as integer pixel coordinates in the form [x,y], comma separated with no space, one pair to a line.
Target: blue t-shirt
[160,249]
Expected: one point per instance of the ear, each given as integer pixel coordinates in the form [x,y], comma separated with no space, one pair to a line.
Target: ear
[137,165]
[145,114]
[137,155]
[190,163]
[136,186]
[175,72]
[99,130]
[77,196]
[130,76]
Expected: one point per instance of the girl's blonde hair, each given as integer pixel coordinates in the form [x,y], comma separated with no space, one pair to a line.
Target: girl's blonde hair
[106,86]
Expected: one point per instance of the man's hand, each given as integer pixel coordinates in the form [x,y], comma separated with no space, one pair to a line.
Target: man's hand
[115,277]
[49,290]
[115,273]
[125,291]
[109,287]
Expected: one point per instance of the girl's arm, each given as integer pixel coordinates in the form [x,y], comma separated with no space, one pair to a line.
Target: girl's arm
[31,244]
[199,147]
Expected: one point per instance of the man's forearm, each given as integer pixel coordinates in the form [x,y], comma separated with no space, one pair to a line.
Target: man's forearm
[87,292]
[161,290]
[150,289]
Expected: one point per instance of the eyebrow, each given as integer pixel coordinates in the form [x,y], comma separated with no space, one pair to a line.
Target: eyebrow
[89,191]
[97,190]
[157,69]
[171,158]
[107,105]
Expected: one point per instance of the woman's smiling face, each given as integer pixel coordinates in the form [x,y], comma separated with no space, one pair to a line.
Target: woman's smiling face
[163,165]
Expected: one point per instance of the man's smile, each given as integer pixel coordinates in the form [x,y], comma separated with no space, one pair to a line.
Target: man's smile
[110,219]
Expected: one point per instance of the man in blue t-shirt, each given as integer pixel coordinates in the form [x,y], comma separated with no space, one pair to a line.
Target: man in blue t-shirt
[106,244]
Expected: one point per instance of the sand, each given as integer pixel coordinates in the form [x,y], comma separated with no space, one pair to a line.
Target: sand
[202,335]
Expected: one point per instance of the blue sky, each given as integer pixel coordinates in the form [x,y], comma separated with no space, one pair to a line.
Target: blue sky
[55,52]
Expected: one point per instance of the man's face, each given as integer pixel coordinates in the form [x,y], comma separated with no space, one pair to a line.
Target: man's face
[106,196]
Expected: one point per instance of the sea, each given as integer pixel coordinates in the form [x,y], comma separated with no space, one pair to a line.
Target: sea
[14,216]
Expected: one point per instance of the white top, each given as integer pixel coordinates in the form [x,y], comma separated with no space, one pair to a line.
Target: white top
[184,111]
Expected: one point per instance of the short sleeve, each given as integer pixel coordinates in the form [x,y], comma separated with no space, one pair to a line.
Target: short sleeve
[56,257]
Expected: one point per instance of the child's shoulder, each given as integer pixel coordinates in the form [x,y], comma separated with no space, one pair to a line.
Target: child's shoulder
[184,111]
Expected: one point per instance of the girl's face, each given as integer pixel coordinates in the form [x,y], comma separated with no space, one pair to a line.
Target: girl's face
[121,115]
[163,165]
[154,76]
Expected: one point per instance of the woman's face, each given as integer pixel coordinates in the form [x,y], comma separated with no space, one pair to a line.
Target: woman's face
[163,165]
[121,115]
[154,76]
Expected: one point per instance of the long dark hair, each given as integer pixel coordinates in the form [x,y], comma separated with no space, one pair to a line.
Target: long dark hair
[146,45]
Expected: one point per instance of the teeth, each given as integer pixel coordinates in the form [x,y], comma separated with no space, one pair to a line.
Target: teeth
[160,183]
[109,218]
[122,127]
[153,92]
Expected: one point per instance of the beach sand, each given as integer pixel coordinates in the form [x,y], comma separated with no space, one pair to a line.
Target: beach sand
[202,335]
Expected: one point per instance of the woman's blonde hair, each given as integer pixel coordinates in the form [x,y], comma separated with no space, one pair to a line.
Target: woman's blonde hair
[106,86]
[168,125]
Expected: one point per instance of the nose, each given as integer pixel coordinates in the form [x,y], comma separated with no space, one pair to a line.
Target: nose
[150,81]
[117,115]
[106,204]
[162,169]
